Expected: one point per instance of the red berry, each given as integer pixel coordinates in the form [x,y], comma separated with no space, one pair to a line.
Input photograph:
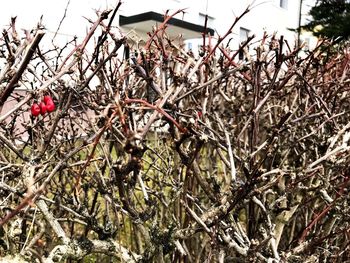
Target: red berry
[43,108]
[50,106]
[48,99]
[35,109]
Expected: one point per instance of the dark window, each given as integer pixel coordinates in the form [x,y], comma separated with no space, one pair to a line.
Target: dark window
[243,36]
[284,4]
[210,21]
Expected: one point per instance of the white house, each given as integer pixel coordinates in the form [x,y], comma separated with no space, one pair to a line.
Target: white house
[271,16]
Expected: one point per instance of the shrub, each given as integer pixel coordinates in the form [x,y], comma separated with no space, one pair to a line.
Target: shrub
[169,156]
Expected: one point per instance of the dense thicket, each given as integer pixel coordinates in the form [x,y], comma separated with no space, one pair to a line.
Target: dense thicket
[169,156]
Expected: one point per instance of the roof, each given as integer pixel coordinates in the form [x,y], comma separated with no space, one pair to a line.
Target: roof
[143,22]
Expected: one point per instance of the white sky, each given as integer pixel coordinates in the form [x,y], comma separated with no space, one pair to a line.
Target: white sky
[28,13]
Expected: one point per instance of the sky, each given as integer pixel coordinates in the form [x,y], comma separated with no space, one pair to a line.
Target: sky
[28,14]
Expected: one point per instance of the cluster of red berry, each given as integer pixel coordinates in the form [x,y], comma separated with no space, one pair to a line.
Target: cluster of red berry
[46,105]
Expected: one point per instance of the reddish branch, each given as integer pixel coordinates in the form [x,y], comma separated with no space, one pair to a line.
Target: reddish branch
[34,195]
[244,74]
[161,27]
[229,31]
[28,56]
[78,50]
[160,110]
[94,145]
[320,215]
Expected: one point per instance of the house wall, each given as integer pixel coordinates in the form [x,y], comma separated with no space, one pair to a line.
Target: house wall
[264,15]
